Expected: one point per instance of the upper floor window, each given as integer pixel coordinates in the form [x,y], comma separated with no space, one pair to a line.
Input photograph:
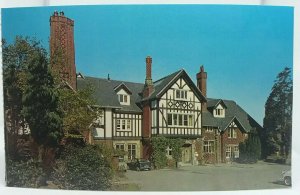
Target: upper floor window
[123,98]
[181,94]
[180,120]
[232,133]
[219,112]
[123,124]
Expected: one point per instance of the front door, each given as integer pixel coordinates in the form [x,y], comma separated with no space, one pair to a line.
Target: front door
[187,153]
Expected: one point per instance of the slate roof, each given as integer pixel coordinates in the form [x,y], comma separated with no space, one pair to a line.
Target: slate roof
[232,112]
[105,95]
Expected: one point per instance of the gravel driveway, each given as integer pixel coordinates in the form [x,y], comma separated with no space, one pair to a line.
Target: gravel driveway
[211,177]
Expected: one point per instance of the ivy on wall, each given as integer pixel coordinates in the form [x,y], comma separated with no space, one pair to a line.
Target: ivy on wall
[159,155]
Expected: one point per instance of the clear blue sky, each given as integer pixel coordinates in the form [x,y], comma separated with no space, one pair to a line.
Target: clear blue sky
[242,48]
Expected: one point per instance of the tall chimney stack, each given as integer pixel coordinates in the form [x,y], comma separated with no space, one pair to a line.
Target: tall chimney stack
[147,118]
[201,84]
[62,47]
[148,80]
[201,80]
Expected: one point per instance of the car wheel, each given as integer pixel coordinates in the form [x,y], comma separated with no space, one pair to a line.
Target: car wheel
[137,169]
[287,181]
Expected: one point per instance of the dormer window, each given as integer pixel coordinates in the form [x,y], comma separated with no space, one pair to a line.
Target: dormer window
[219,111]
[123,98]
[181,94]
[123,93]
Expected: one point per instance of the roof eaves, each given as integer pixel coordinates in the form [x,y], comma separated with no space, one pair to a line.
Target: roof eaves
[166,86]
[234,117]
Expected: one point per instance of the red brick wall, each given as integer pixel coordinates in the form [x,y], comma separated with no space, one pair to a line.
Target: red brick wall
[225,140]
[209,136]
[62,42]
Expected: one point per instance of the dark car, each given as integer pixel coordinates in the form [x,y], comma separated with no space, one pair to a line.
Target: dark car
[140,165]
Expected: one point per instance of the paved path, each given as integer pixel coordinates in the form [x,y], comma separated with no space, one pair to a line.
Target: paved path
[211,177]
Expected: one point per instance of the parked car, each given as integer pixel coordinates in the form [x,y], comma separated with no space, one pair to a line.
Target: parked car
[286,177]
[140,165]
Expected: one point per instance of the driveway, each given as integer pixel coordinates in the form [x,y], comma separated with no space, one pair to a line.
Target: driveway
[211,177]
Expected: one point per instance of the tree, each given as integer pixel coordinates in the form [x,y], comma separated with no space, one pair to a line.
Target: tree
[278,116]
[40,105]
[16,59]
[250,149]
[76,109]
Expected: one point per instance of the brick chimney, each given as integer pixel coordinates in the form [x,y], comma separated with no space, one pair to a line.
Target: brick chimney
[62,48]
[201,84]
[147,119]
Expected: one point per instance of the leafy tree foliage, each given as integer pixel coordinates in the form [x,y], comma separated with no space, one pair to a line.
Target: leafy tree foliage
[40,103]
[76,109]
[82,168]
[16,59]
[278,116]
[250,149]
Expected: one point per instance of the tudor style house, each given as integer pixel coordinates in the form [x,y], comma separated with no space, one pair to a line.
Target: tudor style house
[130,114]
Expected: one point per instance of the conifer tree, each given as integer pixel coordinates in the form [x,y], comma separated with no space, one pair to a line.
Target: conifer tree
[278,116]
[40,104]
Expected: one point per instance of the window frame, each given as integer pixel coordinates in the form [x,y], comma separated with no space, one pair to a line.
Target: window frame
[187,120]
[181,94]
[228,151]
[209,146]
[123,125]
[132,151]
[232,133]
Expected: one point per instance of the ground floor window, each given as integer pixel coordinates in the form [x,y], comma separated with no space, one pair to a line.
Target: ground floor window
[120,147]
[232,151]
[236,152]
[228,152]
[131,151]
[209,147]
[169,151]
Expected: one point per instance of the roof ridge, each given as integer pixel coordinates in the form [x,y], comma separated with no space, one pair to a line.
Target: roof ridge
[113,80]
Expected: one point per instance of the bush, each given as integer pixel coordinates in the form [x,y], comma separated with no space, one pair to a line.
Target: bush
[250,150]
[24,174]
[82,168]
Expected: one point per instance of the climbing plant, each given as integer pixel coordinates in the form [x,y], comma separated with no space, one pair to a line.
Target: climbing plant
[159,155]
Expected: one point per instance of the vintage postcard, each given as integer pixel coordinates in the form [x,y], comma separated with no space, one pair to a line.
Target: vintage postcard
[148,97]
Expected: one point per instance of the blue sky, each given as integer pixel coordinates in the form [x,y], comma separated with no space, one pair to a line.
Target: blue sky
[242,48]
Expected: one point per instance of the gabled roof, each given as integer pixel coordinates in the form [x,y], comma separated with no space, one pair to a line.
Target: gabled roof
[214,103]
[105,95]
[123,86]
[163,84]
[233,113]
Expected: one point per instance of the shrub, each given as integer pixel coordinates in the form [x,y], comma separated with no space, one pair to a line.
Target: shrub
[250,150]
[82,168]
[24,173]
